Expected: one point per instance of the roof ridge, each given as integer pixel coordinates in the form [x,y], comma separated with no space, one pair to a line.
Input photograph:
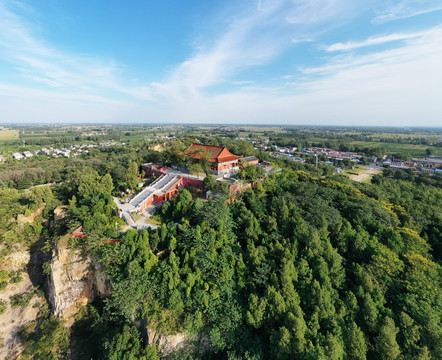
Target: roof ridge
[205,145]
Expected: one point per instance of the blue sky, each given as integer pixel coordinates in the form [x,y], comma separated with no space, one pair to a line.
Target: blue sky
[321,62]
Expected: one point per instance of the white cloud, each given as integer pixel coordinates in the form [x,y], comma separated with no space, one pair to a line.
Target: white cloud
[395,10]
[243,82]
[20,104]
[399,87]
[426,44]
[41,62]
[254,38]
[249,40]
[301,39]
[314,11]
[373,40]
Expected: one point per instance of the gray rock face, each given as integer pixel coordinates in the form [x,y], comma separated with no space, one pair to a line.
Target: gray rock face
[75,280]
[13,318]
[166,343]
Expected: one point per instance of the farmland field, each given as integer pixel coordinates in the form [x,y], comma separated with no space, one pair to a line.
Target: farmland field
[413,150]
[8,134]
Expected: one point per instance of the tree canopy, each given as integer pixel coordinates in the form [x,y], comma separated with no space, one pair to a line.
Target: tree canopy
[298,267]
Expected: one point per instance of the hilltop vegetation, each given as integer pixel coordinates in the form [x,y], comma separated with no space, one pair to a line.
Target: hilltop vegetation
[297,267]
[304,265]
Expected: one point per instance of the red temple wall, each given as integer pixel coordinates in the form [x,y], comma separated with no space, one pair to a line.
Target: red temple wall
[146,203]
[195,183]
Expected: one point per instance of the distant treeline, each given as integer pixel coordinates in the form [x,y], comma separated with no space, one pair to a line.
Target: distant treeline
[335,139]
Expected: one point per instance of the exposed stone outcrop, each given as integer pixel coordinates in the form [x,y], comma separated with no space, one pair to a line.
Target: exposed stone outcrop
[75,280]
[60,213]
[22,219]
[168,343]
[14,317]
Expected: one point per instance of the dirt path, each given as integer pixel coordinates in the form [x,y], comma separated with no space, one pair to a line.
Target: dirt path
[370,172]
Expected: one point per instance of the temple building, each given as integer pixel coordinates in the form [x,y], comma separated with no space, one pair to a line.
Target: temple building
[249,160]
[221,159]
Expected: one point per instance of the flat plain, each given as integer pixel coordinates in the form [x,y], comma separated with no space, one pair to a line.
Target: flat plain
[8,134]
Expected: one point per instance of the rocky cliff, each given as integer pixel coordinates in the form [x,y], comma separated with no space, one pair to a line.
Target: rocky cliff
[75,280]
[12,316]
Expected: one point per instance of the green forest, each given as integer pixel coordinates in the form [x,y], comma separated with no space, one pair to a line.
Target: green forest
[303,265]
[298,267]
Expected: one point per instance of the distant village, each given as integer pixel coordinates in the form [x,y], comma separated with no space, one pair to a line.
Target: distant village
[428,165]
[72,151]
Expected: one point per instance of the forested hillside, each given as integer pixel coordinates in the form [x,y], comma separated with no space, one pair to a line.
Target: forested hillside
[297,267]
[301,266]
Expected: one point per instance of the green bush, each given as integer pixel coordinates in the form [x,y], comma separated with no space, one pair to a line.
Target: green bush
[3,306]
[21,299]
[16,280]
[24,183]
[4,275]
[48,340]
[3,284]
[47,268]
[36,304]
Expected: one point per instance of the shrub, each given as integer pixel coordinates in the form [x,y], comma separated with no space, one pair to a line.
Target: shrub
[24,183]
[21,299]
[16,280]
[3,306]
[36,304]
[47,268]
[4,275]
[49,338]
[3,284]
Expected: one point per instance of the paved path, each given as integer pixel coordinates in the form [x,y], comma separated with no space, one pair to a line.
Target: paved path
[36,186]
[144,215]
[370,172]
